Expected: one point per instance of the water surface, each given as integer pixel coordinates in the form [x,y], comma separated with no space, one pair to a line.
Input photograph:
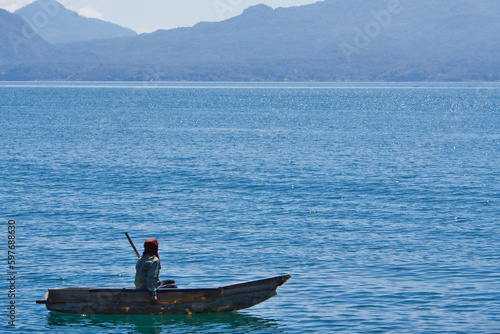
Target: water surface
[381,199]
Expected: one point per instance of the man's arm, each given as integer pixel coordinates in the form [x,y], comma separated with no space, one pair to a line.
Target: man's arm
[152,280]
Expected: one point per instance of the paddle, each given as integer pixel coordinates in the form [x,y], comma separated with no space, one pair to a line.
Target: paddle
[132,244]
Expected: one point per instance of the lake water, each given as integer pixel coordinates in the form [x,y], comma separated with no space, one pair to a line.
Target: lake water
[382,201]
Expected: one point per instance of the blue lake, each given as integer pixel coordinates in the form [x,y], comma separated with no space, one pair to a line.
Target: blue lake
[381,199]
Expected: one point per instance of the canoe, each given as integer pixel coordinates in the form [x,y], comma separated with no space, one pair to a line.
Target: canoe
[87,300]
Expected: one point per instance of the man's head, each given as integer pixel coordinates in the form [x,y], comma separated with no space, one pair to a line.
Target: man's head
[151,247]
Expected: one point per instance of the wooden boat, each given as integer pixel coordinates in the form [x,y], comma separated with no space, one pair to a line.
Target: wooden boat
[170,301]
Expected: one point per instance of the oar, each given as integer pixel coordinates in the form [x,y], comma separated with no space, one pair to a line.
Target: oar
[131,243]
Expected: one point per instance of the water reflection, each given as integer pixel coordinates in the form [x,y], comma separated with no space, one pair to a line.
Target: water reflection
[232,322]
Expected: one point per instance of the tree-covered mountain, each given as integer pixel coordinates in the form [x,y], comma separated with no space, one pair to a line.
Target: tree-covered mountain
[389,40]
[56,24]
[18,43]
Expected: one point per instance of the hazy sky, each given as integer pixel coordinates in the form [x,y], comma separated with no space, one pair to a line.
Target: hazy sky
[150,15]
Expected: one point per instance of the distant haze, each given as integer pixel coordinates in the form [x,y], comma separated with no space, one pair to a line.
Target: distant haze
[151,15]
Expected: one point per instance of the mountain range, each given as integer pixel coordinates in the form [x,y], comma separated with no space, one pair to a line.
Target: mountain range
[56,24]
[331,40]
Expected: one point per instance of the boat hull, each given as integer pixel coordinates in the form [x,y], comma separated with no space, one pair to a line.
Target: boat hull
[170,301]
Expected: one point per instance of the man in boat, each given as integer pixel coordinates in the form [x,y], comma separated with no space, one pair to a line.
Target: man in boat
[148,267]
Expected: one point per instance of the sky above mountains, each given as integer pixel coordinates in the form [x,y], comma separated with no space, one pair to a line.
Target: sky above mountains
[150,15]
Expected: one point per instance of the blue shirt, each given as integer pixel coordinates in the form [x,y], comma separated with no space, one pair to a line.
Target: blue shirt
[147,275]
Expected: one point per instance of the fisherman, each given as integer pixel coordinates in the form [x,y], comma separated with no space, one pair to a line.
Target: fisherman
[148,267]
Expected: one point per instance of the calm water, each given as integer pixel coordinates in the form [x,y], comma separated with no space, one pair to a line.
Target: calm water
[382,200]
